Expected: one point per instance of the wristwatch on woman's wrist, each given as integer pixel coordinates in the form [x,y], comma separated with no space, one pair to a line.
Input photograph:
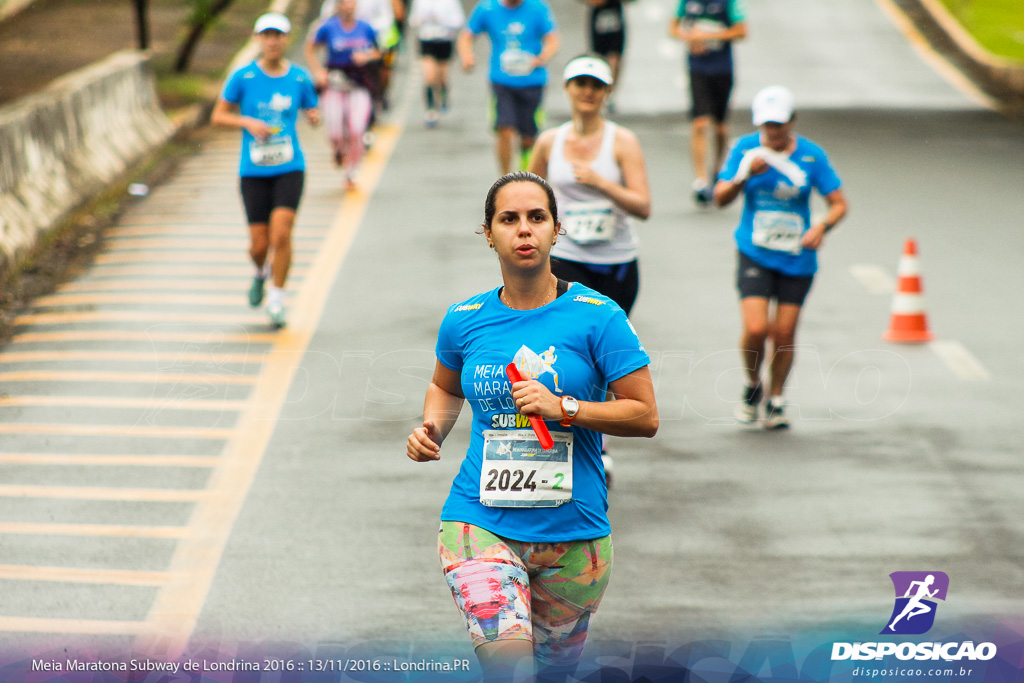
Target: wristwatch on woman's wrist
[570,406]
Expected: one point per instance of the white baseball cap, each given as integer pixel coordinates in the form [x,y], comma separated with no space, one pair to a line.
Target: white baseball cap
[772,104]
[272,21]
[588,66]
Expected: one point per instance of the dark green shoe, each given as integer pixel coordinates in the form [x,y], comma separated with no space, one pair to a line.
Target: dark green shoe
[256,292]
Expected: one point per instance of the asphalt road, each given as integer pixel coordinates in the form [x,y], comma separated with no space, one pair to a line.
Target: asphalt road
[176,477]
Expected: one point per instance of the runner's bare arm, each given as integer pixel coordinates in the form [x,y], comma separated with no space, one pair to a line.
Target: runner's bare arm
[549,46]
[634,196]
[464,45]
[633,411]
[441,409]
[226,114]
[837,208]
[541,153]
[313,59]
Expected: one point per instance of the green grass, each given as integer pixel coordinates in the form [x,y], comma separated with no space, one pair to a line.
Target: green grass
[997,24]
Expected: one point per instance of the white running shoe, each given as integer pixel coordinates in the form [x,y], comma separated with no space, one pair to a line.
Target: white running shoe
[747,410]
[275,311]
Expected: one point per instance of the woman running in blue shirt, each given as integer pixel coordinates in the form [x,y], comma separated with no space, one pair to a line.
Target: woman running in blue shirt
[777,240]
[263,99]
[524,539]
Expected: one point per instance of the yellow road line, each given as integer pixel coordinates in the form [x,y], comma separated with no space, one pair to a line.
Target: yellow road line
[197,256]
[45,459]
[176,610]
[216,405]
[192,245]
[165,359]
[116,430]
[52,529]
[243,272]
[189,232]
[177,211]
[115,244]
[121,577]
[145,284]
[72,626]
[104,493]
[151,298]
[138,284]
[166,317]
[939,63]
[127,377]
[204,337]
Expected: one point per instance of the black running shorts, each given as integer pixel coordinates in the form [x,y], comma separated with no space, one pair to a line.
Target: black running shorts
[262,194]
[619,282]
[608,29]
[441,50]
[754,280]
[709,94]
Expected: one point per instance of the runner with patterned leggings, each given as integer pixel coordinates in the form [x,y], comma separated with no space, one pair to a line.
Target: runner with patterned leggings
[525,541]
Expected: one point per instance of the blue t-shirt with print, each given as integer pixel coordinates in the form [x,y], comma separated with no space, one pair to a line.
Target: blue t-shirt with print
[775,211]
[574,345]
[712,15]
[516,38]
[342,42]
[276,100]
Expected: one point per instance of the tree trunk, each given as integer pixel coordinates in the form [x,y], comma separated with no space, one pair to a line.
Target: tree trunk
[199,26]
[142,23]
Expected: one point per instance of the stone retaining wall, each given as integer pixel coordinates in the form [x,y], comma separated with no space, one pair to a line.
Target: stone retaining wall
[60,147]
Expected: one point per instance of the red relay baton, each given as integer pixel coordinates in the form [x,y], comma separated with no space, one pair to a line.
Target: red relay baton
[539,428]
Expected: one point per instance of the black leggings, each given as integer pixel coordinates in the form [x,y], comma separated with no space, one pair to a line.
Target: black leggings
[620,282]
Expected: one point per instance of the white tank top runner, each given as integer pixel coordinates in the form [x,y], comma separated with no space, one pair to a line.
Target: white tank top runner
[622,248]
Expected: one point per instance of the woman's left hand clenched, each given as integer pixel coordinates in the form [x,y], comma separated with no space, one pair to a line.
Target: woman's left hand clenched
[586,175]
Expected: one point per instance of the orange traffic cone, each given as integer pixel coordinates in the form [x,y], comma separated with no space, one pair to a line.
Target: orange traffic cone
[908,323]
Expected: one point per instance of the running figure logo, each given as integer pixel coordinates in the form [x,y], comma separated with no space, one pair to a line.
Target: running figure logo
[916,593]
[532,364]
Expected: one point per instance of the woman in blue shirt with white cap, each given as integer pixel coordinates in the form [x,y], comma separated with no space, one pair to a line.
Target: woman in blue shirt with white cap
[264,99]
[777,240]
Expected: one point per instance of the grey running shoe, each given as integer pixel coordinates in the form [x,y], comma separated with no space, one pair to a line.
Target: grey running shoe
[276,313]
[256,292]
[746,411]
[775,416]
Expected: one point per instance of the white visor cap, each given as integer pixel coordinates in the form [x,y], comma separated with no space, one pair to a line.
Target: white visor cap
[773,104]
[588,66]
[272,21]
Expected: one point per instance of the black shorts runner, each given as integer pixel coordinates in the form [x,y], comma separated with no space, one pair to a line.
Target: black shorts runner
[709,95]
[608,29]
[754,280]
[441,50]
[517,108]
[262,194]
[619,282]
